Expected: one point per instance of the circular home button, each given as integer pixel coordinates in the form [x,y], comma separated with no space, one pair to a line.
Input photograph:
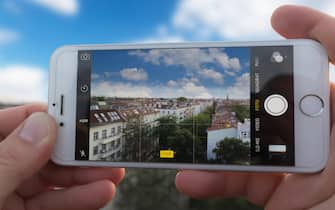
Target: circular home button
[275,105]
[311,105]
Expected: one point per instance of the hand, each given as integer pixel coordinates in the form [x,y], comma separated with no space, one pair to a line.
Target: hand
[278,191]
[28,180]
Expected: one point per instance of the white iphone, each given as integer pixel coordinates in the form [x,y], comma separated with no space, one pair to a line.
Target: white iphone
[240,106]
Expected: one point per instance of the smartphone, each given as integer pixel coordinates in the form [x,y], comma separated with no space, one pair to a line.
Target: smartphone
[239,106]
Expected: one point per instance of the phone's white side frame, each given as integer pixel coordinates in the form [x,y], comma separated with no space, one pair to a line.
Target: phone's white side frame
[307,73]
[63,80]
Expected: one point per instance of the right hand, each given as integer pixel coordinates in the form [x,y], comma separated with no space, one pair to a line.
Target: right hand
[278,191]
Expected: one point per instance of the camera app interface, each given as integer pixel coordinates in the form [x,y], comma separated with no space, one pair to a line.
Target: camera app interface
[217,105]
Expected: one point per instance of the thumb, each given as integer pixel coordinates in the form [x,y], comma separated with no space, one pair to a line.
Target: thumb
[25,151]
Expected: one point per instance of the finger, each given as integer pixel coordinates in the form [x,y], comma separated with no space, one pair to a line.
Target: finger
[316,188]
[328,204]
[32,186]
[59,176]
[69,176]
[256,187]
[91,196]
[12,117]
[13,202]
[304,22]
[25,151]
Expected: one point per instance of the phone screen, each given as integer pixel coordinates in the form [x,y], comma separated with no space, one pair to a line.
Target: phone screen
[208,105]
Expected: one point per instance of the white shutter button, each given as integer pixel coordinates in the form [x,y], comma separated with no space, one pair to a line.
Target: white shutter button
[275,105]
[311,105]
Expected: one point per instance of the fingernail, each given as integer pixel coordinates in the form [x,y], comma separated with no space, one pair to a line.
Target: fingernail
[35,128]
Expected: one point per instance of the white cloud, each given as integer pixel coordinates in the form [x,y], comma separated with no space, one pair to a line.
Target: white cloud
[226,20]
[20,84]
[8,36]
[194,61]
[109,74]
[191,59]
[186,57]
[189,79]
[225,60]
[172,83]
[241,88]
[64,7]
[120,90]
[162,34]
[330,8]
[188,89]
[234,20]
[134,74]
[217,77]
[192,90]
[181,82]
[183,88]
[95,76]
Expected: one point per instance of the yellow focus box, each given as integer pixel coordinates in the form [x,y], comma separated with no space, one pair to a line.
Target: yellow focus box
[166,154]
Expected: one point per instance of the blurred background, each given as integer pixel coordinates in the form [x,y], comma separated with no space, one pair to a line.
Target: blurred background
[30,30]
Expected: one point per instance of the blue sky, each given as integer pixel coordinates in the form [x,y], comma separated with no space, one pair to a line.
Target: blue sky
[31,29]
[187,72]
[42,31]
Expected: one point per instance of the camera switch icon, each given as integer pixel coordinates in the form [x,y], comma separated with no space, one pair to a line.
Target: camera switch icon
[277,57]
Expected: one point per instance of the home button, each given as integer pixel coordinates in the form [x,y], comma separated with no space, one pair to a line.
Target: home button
[276,105]
[311,105]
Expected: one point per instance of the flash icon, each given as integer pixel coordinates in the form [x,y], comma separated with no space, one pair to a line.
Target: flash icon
[85,57]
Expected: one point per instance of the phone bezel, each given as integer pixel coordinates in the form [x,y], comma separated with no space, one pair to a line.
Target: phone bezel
[311,148]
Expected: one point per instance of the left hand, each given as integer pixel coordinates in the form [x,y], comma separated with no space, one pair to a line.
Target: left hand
[28,180]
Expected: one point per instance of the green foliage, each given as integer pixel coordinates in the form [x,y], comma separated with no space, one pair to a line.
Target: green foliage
[242,111]
[210,110]
[150,189]
[131,146]
[182,99]
[180,137]
[99,98]
[141,142]
[149,144]
[167,126]
[226,204]
[199,123]
[145,189]
[181,141]
[232,151]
